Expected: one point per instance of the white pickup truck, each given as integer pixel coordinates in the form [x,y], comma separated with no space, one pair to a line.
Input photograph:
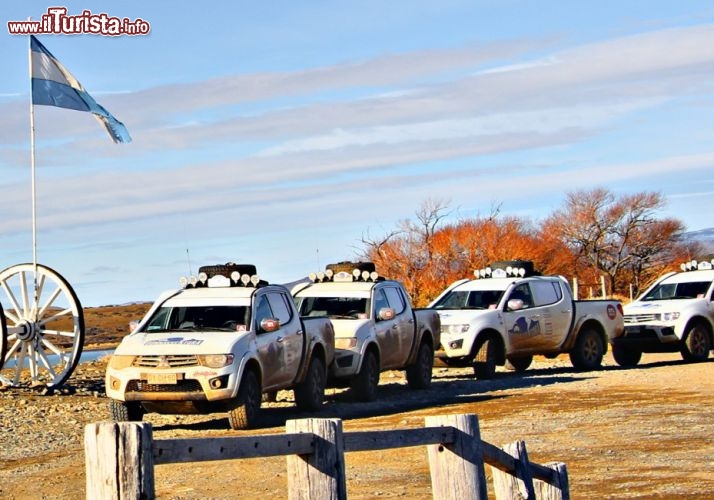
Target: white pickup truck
[217,345]
[376,328]
[510,313]
[675,314]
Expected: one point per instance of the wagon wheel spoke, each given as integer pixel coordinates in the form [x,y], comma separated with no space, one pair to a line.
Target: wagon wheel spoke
[43,328]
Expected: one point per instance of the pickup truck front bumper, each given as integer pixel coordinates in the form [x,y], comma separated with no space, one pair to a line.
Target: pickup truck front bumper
[165,384]
[346,363]
[649,337]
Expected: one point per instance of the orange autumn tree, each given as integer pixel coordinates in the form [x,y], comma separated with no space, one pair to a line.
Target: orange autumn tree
[427,258]
[618,237]
[596,234]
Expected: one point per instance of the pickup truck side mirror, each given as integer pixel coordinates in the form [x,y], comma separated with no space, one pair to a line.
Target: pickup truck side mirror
[515,304]
[269,325]
[385,313]
[133,325]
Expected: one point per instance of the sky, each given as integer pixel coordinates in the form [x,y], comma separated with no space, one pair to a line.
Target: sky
[284,133]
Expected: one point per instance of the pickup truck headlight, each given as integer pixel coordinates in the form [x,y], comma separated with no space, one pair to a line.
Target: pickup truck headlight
[455,329]
[215,360]
[671,316]
[346,343]
[120,361]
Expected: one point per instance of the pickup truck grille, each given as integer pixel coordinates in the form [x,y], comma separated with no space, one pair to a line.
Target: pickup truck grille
[189,385]
[641,318]
[171,361]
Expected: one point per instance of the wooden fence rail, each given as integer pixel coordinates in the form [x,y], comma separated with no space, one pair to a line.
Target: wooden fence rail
[120,458]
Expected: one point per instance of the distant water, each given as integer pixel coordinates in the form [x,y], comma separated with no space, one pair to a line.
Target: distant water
[86,356]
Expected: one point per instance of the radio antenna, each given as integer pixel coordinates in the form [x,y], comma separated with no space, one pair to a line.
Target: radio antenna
[188,260]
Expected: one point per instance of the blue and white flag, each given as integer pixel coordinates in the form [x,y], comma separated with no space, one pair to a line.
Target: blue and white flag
[53,85]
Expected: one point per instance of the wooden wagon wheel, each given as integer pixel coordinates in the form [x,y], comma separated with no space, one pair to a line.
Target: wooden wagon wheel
[44,326]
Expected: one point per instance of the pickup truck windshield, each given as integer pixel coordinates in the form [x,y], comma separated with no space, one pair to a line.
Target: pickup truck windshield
[335,307]
[688,290]
[228,318]
[474,299]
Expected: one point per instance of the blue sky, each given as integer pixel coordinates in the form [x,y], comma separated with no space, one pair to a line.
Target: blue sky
[281,133]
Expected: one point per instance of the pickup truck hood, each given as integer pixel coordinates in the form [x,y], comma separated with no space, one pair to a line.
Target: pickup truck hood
[462,316]
[345,328]
[184,342]
[658,306]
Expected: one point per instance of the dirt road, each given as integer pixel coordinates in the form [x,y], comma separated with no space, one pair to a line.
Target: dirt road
[623,433]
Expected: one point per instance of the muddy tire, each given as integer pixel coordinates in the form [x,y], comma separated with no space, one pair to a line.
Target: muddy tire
[626,357]
[519,364]
[588,351]
[485,360]
[246,413]
[125,412]
[310,393]
[419,374]
[364,385]
[227,269]
[697,343]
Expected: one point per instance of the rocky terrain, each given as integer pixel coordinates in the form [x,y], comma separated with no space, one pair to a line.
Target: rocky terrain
[623,433]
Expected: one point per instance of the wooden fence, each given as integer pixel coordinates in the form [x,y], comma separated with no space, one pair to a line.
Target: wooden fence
[120,458]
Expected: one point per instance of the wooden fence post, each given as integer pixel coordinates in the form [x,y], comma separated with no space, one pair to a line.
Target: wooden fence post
[559,491]
[457,469]
[519,484]
[118,460]
[322,473]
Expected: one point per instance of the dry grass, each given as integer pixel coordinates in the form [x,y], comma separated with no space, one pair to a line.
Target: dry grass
[105,326]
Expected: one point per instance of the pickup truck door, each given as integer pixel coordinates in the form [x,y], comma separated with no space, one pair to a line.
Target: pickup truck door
[387,331]
[279,352]
[405,326]
[529,328]
[560,306]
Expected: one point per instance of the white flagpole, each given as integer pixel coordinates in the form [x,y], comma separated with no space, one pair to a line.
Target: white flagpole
[32,174]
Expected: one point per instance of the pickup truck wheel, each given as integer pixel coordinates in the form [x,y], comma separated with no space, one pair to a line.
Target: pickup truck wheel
[519,364]
[626,357]
[485,360]
[588,351]
[310,393]
[419,374]
[125,412]
[364,385]
[245,414]
[696,343]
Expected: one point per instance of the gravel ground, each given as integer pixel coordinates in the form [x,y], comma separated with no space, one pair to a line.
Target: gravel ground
[635,433]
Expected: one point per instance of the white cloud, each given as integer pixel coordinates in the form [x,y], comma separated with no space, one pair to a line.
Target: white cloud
[537,122]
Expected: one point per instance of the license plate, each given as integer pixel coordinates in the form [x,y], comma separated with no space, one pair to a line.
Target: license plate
[161,378]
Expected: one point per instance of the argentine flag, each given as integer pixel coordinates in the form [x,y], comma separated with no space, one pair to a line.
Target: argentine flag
[53,85]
